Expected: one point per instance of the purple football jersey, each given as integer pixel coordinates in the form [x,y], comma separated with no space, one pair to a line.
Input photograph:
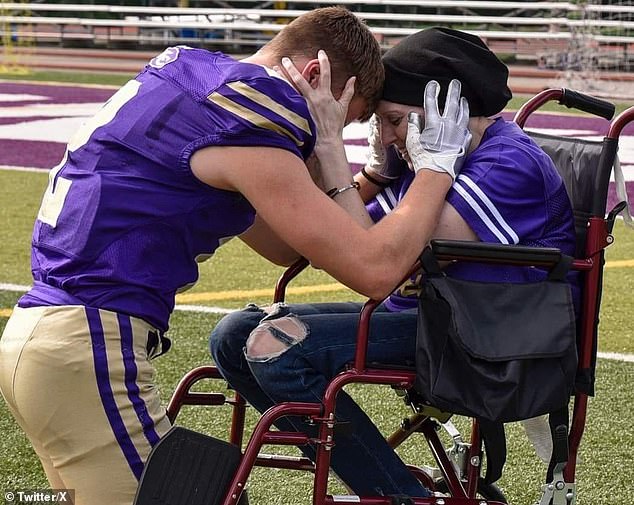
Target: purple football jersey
[124,221]
[508,192]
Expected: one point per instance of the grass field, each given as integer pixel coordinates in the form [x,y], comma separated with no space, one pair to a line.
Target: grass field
[236,276]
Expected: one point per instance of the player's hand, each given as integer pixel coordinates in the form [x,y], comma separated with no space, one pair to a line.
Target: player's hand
[377,166]
[441,142]
[328,113]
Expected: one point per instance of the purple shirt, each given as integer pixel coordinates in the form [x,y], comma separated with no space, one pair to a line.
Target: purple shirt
[508,192]
[124,221]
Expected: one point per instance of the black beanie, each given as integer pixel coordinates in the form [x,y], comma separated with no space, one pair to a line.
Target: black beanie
[443,54]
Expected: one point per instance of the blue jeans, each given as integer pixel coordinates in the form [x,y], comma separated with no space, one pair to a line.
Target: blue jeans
[305,355]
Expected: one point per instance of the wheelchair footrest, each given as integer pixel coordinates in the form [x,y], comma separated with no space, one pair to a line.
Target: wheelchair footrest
[187,468]
[559,493]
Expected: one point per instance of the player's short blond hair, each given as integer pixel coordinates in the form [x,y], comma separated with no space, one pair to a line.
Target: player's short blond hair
[350,45]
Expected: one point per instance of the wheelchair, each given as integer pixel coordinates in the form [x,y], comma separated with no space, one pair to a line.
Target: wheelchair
[585,166]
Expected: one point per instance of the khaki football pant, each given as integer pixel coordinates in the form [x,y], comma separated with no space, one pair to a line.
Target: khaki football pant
[80,384]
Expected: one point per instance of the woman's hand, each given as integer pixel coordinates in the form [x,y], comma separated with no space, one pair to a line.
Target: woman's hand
[439,143]
[381,172]
[328,113]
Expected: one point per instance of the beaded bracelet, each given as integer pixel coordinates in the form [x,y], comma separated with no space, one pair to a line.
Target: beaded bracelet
[337,191]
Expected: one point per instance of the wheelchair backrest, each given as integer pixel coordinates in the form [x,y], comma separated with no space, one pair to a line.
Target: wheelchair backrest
[578,162]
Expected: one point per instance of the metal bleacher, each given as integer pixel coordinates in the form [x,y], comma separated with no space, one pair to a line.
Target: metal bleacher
[519,28]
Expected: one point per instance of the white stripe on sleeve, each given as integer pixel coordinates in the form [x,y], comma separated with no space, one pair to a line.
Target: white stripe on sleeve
[389,192]
[481,214]
[383,203]
[489,204]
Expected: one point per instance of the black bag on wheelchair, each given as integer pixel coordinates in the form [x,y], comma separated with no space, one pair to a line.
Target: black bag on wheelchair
[499,352]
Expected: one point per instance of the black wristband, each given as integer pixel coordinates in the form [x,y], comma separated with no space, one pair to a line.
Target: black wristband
[373,180]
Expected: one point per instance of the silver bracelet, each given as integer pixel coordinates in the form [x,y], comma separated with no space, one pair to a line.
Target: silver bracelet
[337,191]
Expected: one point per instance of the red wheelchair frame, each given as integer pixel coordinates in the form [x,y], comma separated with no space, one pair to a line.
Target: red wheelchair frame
[463,482]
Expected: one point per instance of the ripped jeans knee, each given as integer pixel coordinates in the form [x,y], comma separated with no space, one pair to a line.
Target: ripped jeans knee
[277,332]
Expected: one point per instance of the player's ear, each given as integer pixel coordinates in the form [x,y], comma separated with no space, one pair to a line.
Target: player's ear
[311,72]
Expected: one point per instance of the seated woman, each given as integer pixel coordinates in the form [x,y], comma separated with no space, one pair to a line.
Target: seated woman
[507,191]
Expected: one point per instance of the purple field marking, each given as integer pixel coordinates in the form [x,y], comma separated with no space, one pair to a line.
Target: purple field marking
[56,93]
[30,153]
[596,125]
[45,154]
[12,120]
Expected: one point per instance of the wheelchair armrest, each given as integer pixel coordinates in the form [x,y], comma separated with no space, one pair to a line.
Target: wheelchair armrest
[481,252]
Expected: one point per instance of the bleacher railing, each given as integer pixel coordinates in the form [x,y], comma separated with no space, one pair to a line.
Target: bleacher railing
[522,28]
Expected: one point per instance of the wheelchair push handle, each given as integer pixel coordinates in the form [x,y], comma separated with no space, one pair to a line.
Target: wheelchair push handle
[569,98]
[587,103]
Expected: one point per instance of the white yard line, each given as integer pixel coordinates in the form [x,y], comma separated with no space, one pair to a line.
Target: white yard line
[19,288]
[615,356]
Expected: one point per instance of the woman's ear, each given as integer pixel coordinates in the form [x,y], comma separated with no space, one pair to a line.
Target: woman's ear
[311,72]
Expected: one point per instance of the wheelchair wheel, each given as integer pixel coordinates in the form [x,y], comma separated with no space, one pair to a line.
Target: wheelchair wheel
[486,491]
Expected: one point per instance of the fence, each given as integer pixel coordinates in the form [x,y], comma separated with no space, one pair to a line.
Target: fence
[548,31]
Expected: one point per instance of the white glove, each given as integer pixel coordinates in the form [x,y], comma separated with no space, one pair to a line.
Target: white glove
[376,166]
[443,142]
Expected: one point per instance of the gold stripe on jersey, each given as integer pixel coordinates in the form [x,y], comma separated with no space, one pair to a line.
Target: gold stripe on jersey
[266,101]
[251,116]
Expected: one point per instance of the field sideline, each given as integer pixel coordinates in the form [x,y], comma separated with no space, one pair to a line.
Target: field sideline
[235,276]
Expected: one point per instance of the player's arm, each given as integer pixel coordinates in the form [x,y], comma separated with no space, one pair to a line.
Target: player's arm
[278,185]
[330,115]
[262,239]
[328,166]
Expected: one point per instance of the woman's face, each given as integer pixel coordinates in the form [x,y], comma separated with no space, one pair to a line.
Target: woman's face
[393,117]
